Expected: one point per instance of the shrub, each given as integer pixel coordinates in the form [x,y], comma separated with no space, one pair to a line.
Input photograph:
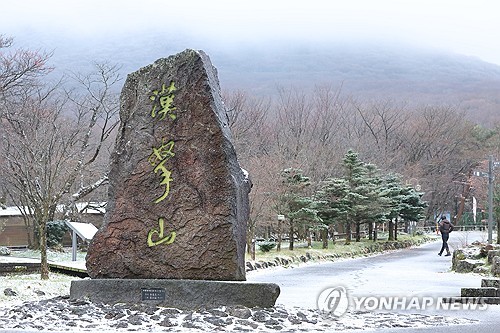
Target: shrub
[266,246]
[55,233]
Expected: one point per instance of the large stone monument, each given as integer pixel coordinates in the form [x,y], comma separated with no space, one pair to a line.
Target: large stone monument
[178,198]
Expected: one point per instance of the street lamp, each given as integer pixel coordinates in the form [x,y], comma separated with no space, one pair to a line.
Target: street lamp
[413,182]
[281,218]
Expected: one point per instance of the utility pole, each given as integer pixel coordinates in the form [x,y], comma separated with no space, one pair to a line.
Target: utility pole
[490,200]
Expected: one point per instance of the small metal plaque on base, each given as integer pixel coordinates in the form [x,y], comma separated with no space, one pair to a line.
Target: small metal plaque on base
[153,294]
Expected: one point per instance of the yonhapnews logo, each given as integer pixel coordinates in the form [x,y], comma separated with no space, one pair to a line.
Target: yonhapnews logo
[336,300]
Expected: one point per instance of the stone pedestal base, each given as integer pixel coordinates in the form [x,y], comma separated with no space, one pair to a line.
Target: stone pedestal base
[182,294]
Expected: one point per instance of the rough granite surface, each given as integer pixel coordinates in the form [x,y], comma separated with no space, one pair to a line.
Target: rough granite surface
[178,198]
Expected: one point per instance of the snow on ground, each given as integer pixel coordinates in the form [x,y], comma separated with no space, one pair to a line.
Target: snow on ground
[45,305]
[63,314]
[29,287]
[28,303]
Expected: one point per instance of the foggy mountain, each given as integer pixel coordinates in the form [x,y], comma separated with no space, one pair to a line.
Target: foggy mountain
[366,71]
[372,72]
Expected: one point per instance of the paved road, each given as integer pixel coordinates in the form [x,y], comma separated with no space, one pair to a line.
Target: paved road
[412,272]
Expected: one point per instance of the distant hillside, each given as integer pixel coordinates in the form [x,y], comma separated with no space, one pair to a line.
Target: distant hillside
[375,72]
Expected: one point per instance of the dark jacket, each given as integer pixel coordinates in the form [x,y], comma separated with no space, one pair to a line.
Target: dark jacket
[445,226]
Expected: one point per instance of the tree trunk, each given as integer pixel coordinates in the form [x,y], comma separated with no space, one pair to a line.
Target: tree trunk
[31,237]
[358,232]
[498,230]
[250,242]
[396,229]
[375,232]
[290,247]
[324,237]
[370,231]
[348,233]
[309,238]
[44,265]
[390,228]
[465,194]
[331,231]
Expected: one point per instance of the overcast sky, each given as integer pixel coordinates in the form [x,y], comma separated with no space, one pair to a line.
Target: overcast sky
[466,27]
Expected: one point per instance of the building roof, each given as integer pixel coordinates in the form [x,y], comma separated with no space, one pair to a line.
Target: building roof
[97,208]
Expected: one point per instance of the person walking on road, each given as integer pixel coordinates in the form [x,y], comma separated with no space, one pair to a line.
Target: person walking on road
[445,227]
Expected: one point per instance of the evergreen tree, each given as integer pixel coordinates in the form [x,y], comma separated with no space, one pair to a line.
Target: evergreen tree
[298,208]
[393,191]
[333,205]
[365,197]
[355,173]
[412,206]
[373,209]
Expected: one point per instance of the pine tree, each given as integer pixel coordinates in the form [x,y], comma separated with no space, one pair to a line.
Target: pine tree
[332,202]
[412,206]
[373,211]
[355,175]
[294,203]
[394,193]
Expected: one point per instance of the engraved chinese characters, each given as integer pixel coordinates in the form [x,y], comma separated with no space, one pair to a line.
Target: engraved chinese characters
[159,157]
[178,199]
[165,97]
[162,239]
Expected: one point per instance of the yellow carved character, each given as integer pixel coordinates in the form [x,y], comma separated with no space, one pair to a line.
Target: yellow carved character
[162,239]
[157,159]
[164,152]
[165,181]
[165,98]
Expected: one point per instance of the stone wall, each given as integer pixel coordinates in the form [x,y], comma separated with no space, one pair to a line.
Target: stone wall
[479,258]
[312,256]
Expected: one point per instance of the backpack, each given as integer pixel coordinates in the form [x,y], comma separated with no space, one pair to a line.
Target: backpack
[446,227]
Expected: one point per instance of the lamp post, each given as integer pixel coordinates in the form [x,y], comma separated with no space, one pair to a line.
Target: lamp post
[414,183]
[280,219]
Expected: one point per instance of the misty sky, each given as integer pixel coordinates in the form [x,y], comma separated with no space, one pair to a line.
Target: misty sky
[465,27]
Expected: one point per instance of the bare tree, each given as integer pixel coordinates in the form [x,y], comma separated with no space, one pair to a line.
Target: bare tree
[385,123]
[440,151]
[47,148]
[248,120]
[19,70]
[434,146]
[326,144]
[293,124]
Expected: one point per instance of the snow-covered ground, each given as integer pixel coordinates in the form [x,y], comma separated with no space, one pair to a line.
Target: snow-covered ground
[28,303]
[63,314]
[29,287]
